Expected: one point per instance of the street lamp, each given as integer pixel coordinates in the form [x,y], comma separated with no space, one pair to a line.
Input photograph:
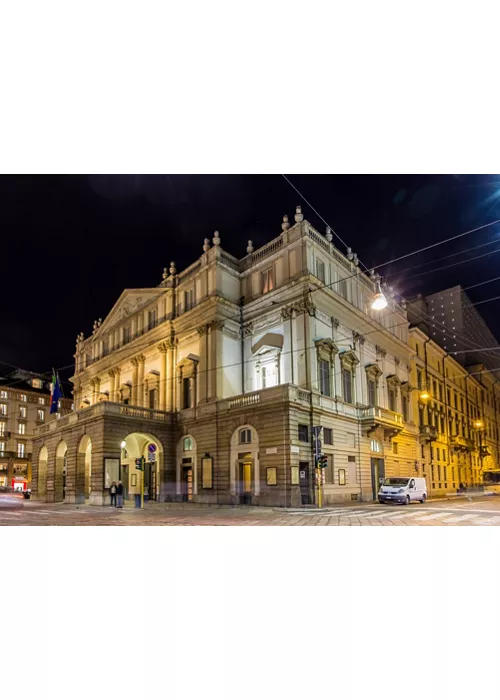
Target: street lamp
[424,395]
[379,301]
[123,444]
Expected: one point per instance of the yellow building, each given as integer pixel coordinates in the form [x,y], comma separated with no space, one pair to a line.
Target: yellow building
[455,410]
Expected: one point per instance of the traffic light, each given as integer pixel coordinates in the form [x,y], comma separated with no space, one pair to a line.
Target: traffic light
[323,462]
[139,463]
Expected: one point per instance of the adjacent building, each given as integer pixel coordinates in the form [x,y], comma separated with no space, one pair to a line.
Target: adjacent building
[24,404]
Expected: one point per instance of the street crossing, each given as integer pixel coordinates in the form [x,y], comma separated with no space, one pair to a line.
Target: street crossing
[418,515]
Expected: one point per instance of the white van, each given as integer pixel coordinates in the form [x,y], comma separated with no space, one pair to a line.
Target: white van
[402,489]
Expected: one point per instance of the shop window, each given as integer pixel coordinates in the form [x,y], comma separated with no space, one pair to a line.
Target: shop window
[246,436]
[303,433]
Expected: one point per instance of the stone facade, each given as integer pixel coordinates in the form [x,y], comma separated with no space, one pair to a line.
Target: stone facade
[218,376]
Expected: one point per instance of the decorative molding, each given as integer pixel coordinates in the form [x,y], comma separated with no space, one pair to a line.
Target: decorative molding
[326,346]
[247,329]
[406,387]
[164,347]
[380,351]
[393,381]
[287,312]
[203,330]
[373,371]
[348,359]
[335,322]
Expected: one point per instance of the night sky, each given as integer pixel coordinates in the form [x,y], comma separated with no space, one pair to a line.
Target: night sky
[71,244]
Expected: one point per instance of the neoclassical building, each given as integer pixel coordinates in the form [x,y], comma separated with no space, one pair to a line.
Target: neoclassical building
[218,376]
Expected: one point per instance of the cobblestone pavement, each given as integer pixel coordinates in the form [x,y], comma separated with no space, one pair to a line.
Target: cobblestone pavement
[477,511]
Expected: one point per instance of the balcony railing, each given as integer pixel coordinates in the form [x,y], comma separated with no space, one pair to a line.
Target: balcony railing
[383,416]
[458,442]
[11,454]
[428,432]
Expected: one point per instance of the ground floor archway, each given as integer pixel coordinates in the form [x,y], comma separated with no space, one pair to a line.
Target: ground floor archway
[141,477]
[60,471]
[43,460]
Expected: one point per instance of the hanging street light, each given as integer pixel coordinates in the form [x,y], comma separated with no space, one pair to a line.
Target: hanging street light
[379,301]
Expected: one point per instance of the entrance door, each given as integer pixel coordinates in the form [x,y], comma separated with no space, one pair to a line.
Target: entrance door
[245,481]
[378,475]
[124,479]
[305,491]
[187,483]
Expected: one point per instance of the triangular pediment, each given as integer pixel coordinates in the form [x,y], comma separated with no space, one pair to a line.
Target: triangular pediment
[129,302]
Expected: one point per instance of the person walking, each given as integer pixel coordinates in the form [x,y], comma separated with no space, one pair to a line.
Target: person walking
[112,491]
[119,494]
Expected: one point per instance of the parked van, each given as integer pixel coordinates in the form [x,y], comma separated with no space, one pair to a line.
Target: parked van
[402,489]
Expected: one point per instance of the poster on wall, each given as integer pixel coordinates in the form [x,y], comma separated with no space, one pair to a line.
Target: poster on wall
[272,478]
[111,471]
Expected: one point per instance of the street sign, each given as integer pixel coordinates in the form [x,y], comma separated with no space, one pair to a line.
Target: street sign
[316,431]
[317,446]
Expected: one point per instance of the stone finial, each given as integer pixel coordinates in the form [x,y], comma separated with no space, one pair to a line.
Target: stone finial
[165,273]
[286,224]
[372,274]
[298,214]
[250,247]
[172,269]
[328,234]
[403,303]
[349,254]
[216,239]
[206,245]
[355,259]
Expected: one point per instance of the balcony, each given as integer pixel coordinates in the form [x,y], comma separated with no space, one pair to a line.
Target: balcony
[462,444]
[428,433]
[373,417]
[485,451]
[11,454]
[100,409]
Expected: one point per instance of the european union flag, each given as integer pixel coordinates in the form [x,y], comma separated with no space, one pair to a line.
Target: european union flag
[56,393]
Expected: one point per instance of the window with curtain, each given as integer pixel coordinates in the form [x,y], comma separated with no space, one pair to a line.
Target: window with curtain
[347,385]
[372,392]
[267,281]
[324,377]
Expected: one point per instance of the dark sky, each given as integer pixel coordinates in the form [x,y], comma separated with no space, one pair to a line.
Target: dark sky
[71,244]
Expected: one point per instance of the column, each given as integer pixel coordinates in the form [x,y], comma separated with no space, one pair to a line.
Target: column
[111,374]
[216,355]
[162,399]
[140,387]
[170,375]
[135,370]
[117,385]
[203,370]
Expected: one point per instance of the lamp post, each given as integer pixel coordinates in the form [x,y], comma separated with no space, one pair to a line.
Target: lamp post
[478,424]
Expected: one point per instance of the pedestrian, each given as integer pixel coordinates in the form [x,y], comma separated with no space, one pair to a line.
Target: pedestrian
[112,491]
[119,494]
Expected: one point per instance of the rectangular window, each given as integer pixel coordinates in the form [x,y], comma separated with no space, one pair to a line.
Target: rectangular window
[126,334]
[343,288]
[3,409]
[432,452]
[41,414]
[395,448]
[21,449]
[404,407]
[22,411]
[21,428]
[2,429]
[419,379]
[328,436]
[4,395]
[320,270]
[324,377]
[188,299]
[267,281]
[187,444]
[352,473]
[186,392]
[420,415]
[372,392]
[392,400]
[23,397]
[341,473]
[303,433]
[152,398]
[347,385]
[438,454]
[422,451]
